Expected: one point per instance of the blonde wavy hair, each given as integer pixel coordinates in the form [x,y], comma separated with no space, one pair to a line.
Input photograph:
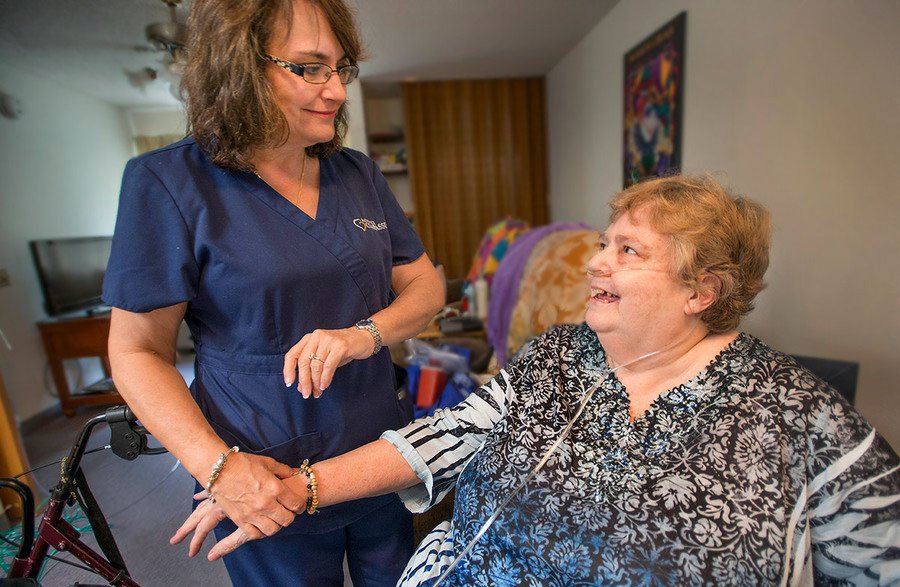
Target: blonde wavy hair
[712,232]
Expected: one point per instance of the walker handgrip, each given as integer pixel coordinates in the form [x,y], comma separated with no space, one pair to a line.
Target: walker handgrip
[119,414]
[124,441]
[127,440]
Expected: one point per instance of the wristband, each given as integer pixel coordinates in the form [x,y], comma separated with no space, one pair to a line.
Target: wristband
[312,489]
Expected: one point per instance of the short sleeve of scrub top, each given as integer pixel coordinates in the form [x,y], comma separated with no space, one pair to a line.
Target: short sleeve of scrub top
[160,271]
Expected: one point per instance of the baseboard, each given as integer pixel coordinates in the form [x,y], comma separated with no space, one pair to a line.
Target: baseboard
[31,423]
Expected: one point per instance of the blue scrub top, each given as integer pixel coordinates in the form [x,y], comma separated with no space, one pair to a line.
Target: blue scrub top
[257,274]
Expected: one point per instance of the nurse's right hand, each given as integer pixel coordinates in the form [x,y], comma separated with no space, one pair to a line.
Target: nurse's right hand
[251,492]
[313,361]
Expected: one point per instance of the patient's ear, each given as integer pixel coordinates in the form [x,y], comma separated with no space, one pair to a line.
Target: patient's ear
[707,292]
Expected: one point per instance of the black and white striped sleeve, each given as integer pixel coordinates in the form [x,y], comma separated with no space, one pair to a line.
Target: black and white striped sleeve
[439,446]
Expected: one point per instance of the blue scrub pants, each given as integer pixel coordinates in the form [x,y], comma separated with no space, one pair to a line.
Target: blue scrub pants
[377,546]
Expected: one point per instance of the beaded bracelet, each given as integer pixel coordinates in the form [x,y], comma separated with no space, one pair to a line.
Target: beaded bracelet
[217,468]
[312,490]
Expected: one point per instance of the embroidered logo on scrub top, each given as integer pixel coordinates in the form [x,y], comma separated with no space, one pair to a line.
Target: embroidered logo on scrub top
[365,224]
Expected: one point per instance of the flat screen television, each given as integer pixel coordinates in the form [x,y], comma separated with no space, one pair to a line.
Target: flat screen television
[71,271]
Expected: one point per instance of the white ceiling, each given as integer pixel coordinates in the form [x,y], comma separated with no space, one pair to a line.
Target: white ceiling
[97,46]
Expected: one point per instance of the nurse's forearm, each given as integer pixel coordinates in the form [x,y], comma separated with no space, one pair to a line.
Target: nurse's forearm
[420,295]
[157,394]
[142,356]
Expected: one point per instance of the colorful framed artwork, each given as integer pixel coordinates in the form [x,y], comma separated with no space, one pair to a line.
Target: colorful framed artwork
[654,84]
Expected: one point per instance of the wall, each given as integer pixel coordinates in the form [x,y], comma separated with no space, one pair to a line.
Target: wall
[61,163]
[356,133]
[796,103]
[156,121]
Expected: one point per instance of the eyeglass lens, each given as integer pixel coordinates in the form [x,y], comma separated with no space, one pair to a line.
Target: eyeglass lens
[318,73]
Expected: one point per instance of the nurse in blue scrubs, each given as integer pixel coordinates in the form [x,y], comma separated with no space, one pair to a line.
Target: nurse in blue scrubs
[279,248]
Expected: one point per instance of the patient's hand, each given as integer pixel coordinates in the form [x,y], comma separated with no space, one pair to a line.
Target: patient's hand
[228,544]
[206,517]
[201,522]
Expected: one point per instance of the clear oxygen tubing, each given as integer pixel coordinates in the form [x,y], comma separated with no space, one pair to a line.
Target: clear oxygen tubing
[565,432]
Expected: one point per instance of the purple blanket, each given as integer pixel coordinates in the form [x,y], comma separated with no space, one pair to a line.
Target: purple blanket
[505,287]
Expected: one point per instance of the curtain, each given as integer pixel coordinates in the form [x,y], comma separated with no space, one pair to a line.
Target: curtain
[477,154]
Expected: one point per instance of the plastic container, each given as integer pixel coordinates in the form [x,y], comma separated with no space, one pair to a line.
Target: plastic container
[468,300]
[482,294]
[431,383]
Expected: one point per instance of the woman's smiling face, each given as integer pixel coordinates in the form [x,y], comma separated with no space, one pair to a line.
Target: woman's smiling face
[635,289]
[310,109]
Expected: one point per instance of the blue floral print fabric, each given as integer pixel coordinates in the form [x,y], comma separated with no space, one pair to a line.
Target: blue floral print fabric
[754,472]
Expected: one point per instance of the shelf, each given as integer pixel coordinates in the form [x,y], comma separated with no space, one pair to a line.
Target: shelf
[394,170]
[104,385]
[385,138]
[72,339]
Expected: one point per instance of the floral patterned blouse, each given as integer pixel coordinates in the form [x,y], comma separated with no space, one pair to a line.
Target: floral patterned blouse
[754,472]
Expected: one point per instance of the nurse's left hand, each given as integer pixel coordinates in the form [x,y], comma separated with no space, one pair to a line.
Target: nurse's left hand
[313,361]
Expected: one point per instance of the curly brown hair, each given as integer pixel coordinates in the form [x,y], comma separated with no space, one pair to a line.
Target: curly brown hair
[712,232]
[230,104]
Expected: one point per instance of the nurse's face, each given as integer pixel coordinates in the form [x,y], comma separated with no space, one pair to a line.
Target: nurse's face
[310,108]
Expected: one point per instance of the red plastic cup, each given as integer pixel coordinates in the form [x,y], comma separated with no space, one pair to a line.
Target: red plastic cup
[431,383]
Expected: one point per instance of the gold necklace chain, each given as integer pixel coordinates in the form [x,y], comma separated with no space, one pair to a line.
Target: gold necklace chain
[296,201]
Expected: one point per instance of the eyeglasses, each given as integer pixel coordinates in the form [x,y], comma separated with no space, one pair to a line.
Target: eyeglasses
[317,73]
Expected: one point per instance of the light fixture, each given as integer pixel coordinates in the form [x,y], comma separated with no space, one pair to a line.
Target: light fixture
[140,78]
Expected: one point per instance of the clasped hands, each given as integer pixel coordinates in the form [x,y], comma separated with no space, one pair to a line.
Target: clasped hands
[259,494]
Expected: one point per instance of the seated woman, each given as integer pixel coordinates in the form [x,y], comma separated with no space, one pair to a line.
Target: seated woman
[701,456]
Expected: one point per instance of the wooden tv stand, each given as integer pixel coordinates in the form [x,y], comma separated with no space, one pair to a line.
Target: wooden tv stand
[73,338]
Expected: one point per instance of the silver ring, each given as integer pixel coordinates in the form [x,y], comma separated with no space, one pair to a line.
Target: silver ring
[315,357]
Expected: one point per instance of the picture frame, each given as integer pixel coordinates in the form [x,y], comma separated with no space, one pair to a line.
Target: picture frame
[653,103]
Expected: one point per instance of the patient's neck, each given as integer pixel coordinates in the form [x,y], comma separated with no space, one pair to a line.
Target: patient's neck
[647,378]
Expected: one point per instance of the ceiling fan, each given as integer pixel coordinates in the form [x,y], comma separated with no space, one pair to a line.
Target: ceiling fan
[169,37]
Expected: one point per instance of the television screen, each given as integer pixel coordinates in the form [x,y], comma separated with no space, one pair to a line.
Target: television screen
[71,272]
